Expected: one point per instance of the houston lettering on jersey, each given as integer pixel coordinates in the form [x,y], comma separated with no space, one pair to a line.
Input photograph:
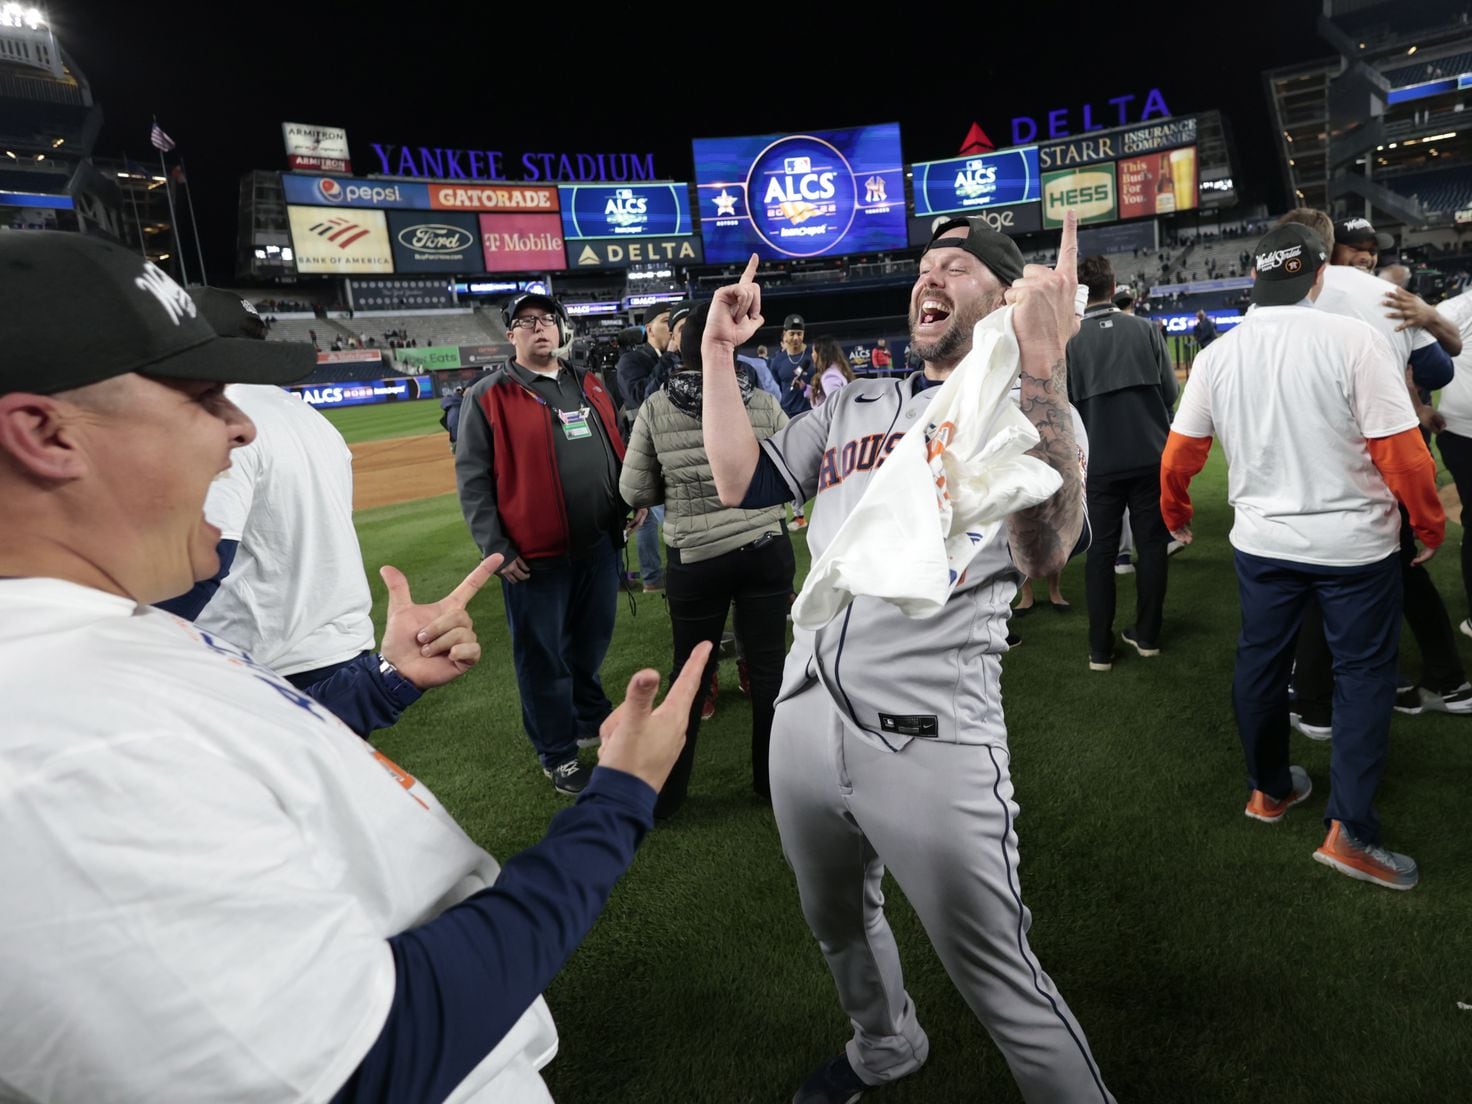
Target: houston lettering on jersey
[859,455]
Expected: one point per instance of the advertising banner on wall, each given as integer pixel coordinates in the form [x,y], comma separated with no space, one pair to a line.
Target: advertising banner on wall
[1088,191]
[339,243]
[364,392]
[428,358]
[625,211]
[522,243]
[491,197]
[436,241]
[1110,145]
[319,148]
[1014,219]
[335,191]
[604,253]
[1158,183]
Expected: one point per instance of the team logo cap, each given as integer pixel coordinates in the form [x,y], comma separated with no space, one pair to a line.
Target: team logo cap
[991,247]
[79,310]
[1286,260]
[1359,232]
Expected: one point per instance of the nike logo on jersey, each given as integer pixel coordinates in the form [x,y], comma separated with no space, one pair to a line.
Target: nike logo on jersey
[867,398]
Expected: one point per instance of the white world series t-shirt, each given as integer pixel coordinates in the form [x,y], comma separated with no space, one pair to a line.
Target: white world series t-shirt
[202,867]
[1292,393]
[1354,293]
[296,597]
[1456,397]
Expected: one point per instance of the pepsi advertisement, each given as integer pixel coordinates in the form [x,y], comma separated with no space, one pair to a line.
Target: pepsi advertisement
[345,191]
[787,196]
[963,184]
[625,211]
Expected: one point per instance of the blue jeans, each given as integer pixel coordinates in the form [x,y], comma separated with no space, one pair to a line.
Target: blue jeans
[1362,618]
[647,540]
[561,622]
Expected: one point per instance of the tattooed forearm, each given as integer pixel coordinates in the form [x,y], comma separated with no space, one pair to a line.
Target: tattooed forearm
[1042,536]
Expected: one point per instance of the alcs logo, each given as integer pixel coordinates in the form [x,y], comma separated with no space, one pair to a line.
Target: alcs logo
[976,180]
[808,195]
[625,208]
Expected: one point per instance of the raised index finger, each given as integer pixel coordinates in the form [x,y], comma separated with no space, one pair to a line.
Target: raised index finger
[1068,245]
[460,597]
[751,266]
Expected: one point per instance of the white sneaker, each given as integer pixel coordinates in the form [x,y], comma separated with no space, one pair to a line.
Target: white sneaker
[1313,732]
[1123,566]
[1173,547]
[590,741]
[1466,627]
[1453,701]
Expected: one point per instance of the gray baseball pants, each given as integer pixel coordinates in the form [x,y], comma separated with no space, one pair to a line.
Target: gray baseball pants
[941,817]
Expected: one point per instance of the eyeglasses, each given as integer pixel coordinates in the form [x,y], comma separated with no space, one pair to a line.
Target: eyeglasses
[532,321]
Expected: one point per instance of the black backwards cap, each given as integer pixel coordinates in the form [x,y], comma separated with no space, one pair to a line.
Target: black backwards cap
[991,247]
[1287,261]
[79,310]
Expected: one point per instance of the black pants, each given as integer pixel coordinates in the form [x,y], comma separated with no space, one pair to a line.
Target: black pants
[758,580]
[1456,452]
[1108,495]
[1441,667]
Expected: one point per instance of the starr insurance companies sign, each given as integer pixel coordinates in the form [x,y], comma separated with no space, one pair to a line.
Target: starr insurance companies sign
[322,148]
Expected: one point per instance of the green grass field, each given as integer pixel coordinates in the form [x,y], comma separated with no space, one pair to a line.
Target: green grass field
[400,419]
[1207,956]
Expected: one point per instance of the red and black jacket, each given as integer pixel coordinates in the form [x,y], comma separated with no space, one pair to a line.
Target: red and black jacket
[506,465]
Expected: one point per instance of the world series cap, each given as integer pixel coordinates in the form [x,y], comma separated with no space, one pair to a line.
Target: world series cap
[1360,231]
[991,247]
[794,322]
[1287,260]
[79,310]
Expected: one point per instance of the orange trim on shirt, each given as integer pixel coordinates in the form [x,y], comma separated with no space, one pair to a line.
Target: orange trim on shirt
[1410,473]
[1183,458]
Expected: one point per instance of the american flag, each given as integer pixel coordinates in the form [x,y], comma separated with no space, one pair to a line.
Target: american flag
[160,140]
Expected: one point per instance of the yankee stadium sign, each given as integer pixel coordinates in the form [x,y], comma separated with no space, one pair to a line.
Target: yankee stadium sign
[441,163]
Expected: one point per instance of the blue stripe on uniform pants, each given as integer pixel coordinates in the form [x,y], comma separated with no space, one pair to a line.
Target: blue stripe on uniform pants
[561,622]
[1362,609]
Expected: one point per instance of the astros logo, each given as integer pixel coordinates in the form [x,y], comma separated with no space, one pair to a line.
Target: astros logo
[1292,264]
[330,190]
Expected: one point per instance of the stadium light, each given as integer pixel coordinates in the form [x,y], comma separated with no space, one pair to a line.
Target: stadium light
[13,15]
[1411,51]
[57,144]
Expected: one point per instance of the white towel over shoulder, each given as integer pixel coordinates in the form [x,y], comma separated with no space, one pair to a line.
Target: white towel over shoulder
[940,496]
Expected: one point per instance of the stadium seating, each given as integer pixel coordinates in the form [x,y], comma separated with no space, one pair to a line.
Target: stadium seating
[1429,70]
[1442,192]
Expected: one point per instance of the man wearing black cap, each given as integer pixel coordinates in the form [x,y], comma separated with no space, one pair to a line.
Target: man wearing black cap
[879,715]
[1358,244]
[279,911]
[792,366]
[1321,442]
[537,465]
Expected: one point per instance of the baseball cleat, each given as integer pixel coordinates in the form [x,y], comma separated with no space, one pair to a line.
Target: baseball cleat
[1367,862]
[1270,810]
[834,1082]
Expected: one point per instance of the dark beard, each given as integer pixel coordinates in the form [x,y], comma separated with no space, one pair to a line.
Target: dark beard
[955,342]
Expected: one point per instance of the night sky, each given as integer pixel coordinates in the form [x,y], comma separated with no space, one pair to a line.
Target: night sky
[222,78]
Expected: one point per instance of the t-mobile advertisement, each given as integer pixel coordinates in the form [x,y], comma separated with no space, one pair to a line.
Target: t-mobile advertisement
[522,243]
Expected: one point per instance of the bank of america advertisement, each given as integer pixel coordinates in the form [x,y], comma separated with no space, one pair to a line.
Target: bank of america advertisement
[801,195]
[963,184]
[336,243]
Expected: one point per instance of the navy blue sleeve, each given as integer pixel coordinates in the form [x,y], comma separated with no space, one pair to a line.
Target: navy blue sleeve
[464,978]
[1431,368]
[189,604]
[363,697]
[767,487]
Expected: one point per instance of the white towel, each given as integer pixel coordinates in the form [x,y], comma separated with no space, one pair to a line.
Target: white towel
[940,496]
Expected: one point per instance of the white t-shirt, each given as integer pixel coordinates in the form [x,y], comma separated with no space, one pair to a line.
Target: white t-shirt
[296,597]
[202,867]
[1456,397]
[1292,393]
[1354,293]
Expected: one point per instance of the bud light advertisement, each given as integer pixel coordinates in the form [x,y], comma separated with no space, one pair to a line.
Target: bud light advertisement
[788,196]
[963,184]
[625,211]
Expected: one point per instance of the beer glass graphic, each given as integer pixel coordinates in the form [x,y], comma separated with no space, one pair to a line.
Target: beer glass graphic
[1183,177]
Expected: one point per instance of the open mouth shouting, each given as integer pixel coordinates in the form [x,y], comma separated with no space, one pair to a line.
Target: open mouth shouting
[932,316]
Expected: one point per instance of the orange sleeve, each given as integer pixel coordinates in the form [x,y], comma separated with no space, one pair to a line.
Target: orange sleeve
[1410,473]
[1183,458]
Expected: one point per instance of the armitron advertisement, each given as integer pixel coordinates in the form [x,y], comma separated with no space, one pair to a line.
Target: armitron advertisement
[338,243]
[321,148]
[1089,191]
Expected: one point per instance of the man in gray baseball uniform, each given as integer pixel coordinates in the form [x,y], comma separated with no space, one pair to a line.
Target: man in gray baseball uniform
[880,715]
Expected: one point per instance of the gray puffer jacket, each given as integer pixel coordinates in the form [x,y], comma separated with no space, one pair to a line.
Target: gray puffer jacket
[666,462]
